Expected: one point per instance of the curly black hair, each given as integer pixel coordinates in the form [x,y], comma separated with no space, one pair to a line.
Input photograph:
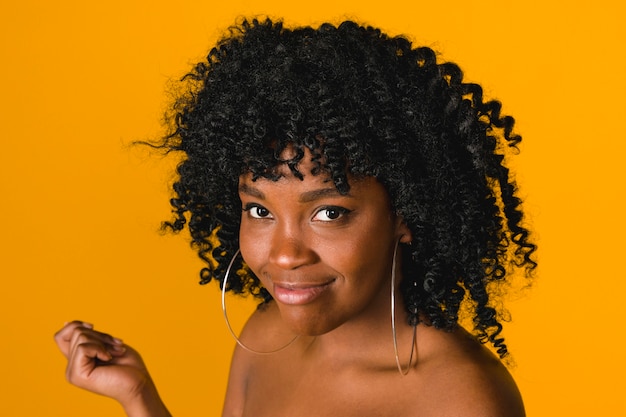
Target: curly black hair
[363,104]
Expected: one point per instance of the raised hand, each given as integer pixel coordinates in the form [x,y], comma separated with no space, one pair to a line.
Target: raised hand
[104,365]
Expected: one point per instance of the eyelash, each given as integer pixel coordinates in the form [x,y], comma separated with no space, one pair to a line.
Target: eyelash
[340,210]
[253,210]
[252,206]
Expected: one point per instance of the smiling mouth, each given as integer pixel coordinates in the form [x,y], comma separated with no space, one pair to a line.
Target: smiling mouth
[299,294]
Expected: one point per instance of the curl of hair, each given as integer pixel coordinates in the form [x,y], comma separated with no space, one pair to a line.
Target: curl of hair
[363,104]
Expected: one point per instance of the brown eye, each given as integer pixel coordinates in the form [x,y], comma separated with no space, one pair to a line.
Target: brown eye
[257,212]
[328,214]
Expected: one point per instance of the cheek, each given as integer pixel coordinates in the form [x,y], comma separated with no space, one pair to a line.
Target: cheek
[371,258]
[365,262]
[253,248]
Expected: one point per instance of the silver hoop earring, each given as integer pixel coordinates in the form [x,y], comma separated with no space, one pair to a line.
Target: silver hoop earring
[393,318]
[230,329]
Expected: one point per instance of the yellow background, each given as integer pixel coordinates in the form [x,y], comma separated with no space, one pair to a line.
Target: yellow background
[80,210]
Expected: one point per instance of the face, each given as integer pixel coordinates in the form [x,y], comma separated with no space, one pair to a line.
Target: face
[326,258]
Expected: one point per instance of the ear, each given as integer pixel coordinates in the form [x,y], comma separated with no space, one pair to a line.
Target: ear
[402,231]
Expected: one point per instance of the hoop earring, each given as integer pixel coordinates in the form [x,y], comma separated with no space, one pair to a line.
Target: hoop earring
[393,318]
[230,329]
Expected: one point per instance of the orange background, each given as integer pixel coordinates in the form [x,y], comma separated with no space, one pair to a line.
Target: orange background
[80,209]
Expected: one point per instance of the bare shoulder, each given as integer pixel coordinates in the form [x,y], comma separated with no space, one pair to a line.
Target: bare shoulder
[253,334]
[465,378]
[264,332]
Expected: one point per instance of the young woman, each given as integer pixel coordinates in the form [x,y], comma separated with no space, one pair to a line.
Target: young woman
[357,188]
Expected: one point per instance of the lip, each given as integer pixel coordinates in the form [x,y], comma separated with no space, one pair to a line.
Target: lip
[300,293]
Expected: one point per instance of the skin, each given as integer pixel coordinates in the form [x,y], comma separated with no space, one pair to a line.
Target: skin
[105,365]
[326,258]
[294,235]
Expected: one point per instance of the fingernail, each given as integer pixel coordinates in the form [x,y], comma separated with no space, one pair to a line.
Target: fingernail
[117,348]
[118,341]
[87,325]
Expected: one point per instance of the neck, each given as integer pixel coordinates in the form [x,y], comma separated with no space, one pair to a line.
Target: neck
[367,340]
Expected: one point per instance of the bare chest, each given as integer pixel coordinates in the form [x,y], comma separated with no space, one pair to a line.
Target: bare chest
[320,390]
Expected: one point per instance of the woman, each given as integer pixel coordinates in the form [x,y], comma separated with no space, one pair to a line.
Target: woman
[357,188]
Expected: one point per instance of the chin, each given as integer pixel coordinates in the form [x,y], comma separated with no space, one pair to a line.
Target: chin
[306,324]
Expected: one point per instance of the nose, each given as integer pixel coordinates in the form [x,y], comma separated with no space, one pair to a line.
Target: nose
[291,251]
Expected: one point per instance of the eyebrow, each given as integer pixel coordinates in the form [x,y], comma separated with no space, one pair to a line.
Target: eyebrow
[305,197]
[313,195]
[251,191]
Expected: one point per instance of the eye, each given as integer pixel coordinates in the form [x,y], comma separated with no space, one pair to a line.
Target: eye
[257,212]
[331,213]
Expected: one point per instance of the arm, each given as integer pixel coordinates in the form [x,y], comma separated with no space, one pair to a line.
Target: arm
[104,365]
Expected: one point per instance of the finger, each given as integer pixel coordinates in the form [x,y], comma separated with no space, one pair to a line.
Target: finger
[116,350]
[80,331]
[85,358]
[127,356]
[82,335]
[76,331]
[63,337]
